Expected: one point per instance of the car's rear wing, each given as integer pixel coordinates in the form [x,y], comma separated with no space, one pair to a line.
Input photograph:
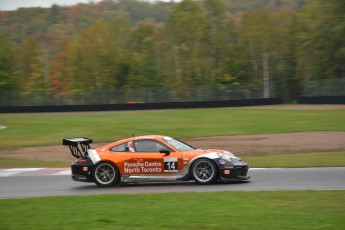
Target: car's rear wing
[77,145]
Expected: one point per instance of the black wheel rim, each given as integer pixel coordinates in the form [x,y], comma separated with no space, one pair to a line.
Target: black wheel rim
[203,171]
[105,173]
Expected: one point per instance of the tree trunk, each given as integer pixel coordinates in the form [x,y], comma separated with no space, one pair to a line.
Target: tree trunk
[265,72]
[177,64]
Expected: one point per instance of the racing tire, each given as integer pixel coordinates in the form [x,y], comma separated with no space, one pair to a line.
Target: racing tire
[204,171]
[106,174]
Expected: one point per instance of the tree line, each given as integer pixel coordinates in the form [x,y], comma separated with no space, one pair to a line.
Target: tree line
[276,46]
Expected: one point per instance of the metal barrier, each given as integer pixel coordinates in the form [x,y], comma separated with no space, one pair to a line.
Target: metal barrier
[133,96]
[139,106]
[324,87]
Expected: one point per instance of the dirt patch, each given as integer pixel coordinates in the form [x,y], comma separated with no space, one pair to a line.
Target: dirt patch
[243,145]
[274,144]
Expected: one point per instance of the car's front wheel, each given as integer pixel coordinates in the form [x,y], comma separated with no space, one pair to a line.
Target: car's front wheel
[106,174]
[204,171]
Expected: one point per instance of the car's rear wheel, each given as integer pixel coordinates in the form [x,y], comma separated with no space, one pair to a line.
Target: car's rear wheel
[106,174]
[204,171]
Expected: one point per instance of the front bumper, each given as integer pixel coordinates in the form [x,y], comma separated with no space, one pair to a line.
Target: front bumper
[234,173]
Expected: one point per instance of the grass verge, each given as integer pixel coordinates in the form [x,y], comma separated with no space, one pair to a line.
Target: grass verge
[219,210]
[6,162]
[50,128]
[302,160]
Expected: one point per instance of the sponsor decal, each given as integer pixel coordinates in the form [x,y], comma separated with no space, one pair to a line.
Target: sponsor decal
[170,165]
[93,156]
[222,162]
[227,167]
[125,177]
[142,167]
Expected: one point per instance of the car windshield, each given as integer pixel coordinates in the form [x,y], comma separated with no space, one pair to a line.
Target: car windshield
[179,145]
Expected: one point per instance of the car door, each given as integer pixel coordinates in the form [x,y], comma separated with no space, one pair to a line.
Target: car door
[148,162]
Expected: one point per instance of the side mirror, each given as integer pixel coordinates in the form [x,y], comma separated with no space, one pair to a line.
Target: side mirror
[165,151]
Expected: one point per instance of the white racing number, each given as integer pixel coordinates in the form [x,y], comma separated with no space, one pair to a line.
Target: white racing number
[170,165]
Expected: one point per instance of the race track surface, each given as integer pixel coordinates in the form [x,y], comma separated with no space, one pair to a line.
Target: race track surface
[23,183]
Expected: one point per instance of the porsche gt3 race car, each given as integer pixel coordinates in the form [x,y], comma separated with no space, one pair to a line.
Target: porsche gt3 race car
[152,158]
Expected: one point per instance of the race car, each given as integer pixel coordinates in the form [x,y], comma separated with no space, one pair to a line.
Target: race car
[152,158]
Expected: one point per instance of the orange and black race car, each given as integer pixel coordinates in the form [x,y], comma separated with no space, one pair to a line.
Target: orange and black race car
[152,158]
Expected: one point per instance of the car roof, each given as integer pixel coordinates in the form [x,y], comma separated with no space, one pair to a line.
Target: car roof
[144,137]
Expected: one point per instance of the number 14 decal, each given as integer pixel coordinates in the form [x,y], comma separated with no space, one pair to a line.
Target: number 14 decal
[170,165]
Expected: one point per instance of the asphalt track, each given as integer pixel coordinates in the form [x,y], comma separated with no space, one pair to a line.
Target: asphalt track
[332,178]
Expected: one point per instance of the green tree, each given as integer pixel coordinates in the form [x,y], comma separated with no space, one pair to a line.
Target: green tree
[34,61]
[99,56]
[118,45]
[144,55]
[8,67]
[89,57]
[267,45]
[186,26]
[257,32]
[288,86]
[219,34]
[320,39]
[222,44]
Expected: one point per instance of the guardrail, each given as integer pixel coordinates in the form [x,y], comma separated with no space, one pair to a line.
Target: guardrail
[139,106]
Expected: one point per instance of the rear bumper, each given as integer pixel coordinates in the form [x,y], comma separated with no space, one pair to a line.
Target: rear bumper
[82,172]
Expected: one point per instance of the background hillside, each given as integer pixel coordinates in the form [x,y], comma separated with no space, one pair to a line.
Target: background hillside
[277,48]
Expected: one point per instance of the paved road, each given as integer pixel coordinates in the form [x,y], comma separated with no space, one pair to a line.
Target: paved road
[30,183]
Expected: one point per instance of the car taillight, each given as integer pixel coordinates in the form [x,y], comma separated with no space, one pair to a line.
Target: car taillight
[79,160]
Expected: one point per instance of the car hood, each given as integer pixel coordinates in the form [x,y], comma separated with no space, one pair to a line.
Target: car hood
[215,154]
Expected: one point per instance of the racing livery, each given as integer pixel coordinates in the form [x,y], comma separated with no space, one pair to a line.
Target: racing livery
[152,158]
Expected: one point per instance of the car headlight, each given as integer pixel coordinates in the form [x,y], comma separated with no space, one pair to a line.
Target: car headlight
[228,156]
[228,153]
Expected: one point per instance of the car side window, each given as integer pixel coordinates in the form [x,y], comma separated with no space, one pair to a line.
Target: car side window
[120,148]
[149,146]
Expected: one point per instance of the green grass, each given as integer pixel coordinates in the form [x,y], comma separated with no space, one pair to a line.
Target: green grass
[49,129]
[303,160]
[6,162]
[219,210]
